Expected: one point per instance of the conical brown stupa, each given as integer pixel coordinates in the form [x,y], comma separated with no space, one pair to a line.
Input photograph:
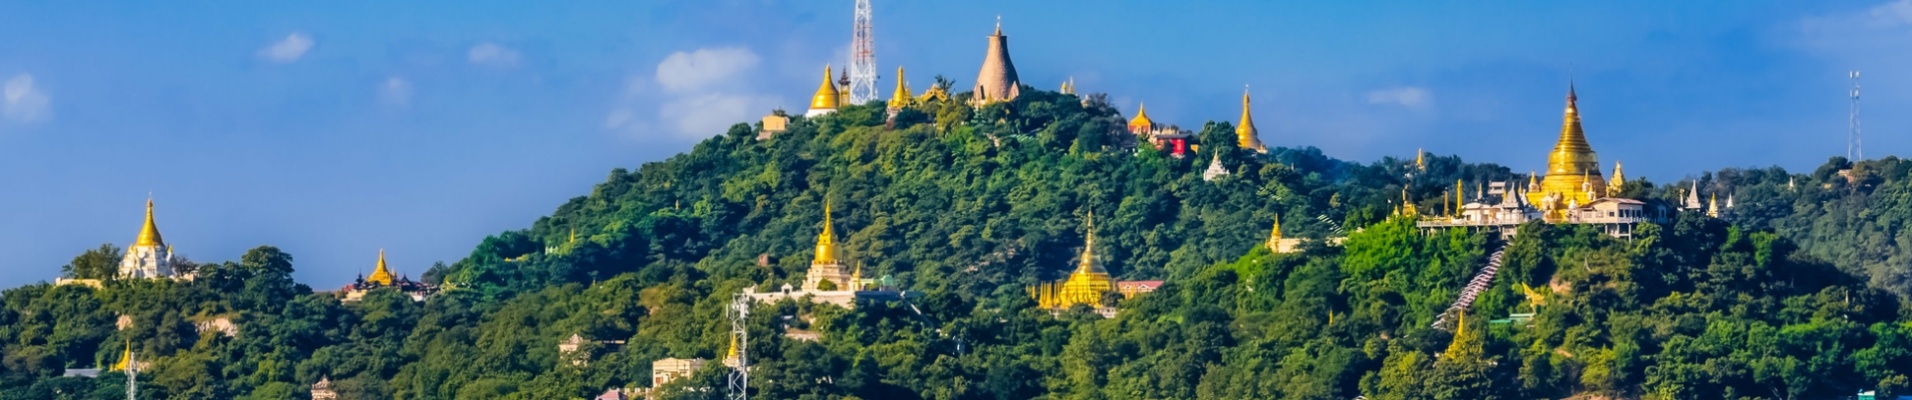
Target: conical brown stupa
[997,80]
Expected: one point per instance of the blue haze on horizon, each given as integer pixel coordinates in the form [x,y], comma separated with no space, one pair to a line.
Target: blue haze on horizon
[334,130]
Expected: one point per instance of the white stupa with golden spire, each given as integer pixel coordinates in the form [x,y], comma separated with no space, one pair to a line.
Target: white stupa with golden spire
[149,256]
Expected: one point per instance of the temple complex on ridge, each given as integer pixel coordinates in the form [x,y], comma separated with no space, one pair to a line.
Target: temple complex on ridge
[382,277]
[1162,137]
[1573,191]
[829,279]
[1088,284]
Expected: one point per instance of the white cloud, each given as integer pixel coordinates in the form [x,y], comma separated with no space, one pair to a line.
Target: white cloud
[705,91]
[23,102]
[709,115]
[684,72]
[395,92]
[288,49]
[1407,96]
[492,54]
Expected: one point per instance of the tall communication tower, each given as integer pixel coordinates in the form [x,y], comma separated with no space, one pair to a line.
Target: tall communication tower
[740,374]
[862,57]
[1854,149]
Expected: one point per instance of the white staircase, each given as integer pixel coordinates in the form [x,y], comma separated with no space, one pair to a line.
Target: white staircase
[1480,283]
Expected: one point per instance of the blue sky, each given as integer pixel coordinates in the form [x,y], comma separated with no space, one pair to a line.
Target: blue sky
[335,129]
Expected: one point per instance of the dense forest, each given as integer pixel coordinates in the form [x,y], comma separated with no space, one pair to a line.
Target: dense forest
[1797,293]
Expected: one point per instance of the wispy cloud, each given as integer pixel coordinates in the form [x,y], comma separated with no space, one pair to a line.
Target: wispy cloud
[395,92]
[23,101]
[684,72]
[1886,26]
[287,50]
[492,55]
[1407,96]
[703,94]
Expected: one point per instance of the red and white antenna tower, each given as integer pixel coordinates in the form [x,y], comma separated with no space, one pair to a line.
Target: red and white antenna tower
[862,57]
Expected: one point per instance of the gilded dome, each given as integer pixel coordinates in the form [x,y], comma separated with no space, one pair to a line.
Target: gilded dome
[827,95]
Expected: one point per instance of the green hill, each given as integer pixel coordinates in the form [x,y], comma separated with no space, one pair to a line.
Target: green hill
[1799,294]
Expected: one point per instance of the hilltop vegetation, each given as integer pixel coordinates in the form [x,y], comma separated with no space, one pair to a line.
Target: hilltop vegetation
[1799,297]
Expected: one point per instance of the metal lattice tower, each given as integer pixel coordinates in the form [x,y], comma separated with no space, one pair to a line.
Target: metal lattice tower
[1854,150]
[862,57]
[740,375]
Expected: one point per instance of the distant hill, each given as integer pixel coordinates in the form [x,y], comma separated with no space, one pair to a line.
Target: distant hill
[1797,293]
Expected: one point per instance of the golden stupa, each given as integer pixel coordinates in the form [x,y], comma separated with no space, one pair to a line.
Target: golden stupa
[1246,135]
[825,100]
[901,97]
[1573,170]
[1141,122]
[149,233]
[1089,281]
[381,274]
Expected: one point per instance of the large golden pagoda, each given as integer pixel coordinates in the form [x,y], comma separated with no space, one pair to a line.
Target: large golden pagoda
[1246,135]
[825,101]
[1573,170]
[381,274]
[1086,285]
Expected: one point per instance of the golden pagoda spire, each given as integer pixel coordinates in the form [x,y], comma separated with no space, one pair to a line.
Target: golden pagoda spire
[1712,206]
[148,233]
[901,98]
[826,240]
[825,99]
[380,274]
[1141,124]
[1619,179]
[1507,194]
[1420,159]
[1088,250]
[1274,236]
[1461,324]
[1573,169]
[126,358]
[1245,135]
